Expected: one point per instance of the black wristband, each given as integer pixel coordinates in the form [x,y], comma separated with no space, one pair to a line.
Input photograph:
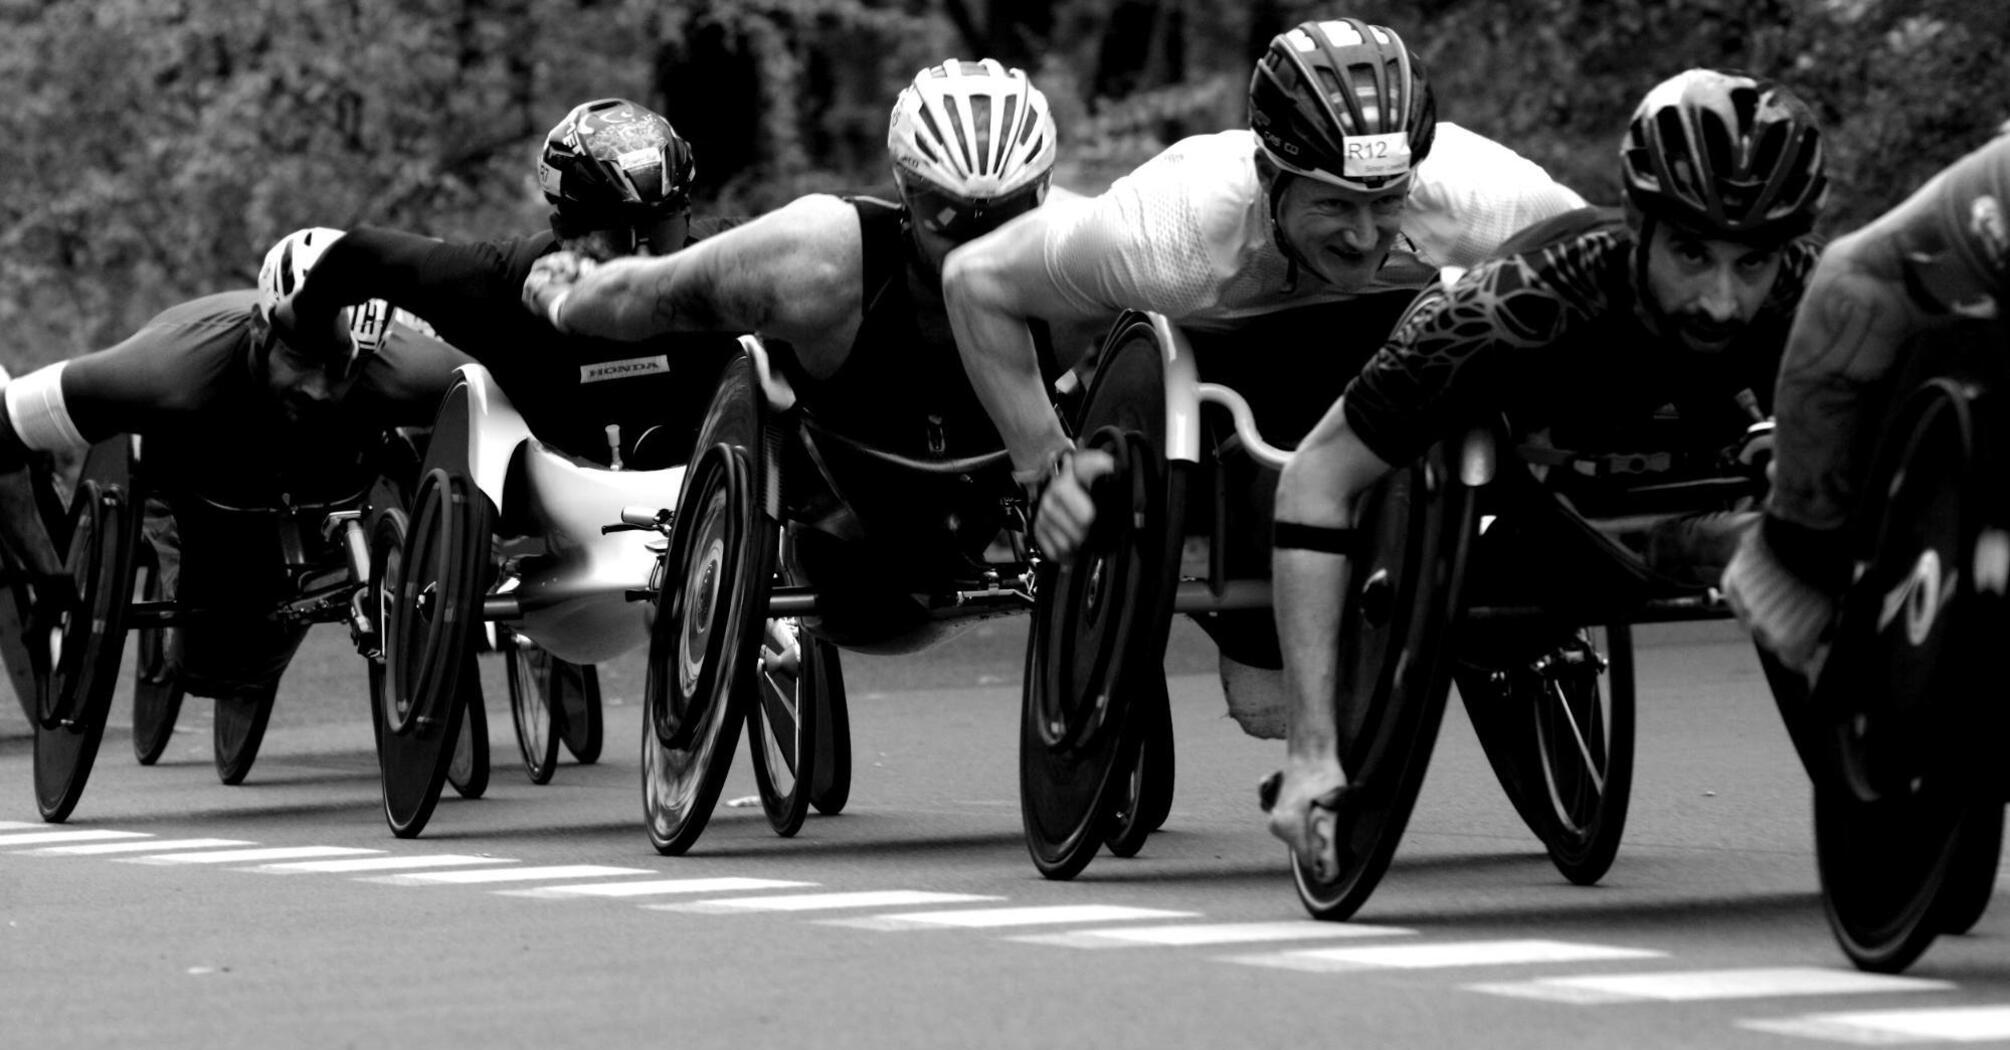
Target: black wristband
[1326,539]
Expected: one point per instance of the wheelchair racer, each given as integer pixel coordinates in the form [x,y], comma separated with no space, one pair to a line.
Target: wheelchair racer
[618,179]
[1935,266]
[232,415]
[1688,300]
[847,293]
[1325,216]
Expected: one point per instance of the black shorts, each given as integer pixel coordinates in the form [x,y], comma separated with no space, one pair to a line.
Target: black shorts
[229,571]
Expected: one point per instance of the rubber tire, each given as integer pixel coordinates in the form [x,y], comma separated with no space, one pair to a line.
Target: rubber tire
[1146,799]
[721,566]
[830,781]
[533,680]
[75,696]
[468,771]
[157,694]
[1971,877]
[581,721]
[1396,630]
[238,730]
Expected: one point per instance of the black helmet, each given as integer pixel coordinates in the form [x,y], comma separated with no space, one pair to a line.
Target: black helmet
[1343,102]
[612,163]
[1725,154]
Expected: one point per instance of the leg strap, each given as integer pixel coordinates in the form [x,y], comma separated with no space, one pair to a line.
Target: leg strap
[1327,539]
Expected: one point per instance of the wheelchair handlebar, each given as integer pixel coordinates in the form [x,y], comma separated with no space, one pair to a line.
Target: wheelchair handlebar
[1245,424]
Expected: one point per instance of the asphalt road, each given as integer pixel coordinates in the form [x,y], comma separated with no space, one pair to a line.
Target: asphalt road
[540,917]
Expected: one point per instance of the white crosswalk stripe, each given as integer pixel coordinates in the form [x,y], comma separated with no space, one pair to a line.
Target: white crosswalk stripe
[9,840]
[1702,985]
[355,864]
[250,856]
[1211,934]
[491,875]
[656,887]
[9,825]
[1950,1024]
[803,902]
[995,918]
[95,849]
[1441,956]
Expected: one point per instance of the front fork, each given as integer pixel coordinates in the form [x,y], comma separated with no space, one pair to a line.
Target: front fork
[363,633]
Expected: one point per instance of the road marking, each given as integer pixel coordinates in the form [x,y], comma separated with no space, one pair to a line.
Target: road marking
[1700,985]
[826,901]
[435,860]
[470,878]
[1437,956]
[148,846]
[247,856]
[1217,933]
[9,825]
[1951,1024]
[655,887]
[38,838]
[996,918]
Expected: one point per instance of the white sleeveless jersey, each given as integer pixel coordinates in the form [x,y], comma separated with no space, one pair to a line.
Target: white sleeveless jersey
[1188,234]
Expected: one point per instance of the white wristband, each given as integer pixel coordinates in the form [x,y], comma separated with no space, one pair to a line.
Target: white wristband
[40,416]
[553,309]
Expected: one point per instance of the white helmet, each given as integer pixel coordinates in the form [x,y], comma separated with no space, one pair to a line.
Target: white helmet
[285,269]
[973,145]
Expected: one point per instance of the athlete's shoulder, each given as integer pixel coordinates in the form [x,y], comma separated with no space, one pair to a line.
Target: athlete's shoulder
[218,310]
[1573,226]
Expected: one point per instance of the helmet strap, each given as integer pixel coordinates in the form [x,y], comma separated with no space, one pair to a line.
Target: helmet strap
[1275,180]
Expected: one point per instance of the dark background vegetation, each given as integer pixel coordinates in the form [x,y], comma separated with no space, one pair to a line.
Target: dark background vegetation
[156,147]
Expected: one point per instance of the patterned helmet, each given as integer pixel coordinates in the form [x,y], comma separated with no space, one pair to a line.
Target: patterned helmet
[1343,102]
[285,269]
[1725,154]
[973,145]
[611,162]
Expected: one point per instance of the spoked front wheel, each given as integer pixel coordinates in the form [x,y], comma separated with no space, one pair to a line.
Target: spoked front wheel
[1146,798]
[1557,726]
[532,702]
[782,725]
[157,694]
[469,770]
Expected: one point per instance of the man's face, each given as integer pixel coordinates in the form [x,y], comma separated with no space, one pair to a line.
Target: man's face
[1341,234]
[656,236]
[1707,289]
[306,388]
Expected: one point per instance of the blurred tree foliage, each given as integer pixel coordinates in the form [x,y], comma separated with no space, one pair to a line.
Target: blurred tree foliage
[160,145]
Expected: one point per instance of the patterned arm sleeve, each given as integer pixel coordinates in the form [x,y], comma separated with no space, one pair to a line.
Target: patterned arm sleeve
[1445,360]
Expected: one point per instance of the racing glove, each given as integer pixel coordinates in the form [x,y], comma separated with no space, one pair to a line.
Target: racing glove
[1789,614]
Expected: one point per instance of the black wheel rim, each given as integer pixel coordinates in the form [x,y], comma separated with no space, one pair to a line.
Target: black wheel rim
[782,727]
[156,695]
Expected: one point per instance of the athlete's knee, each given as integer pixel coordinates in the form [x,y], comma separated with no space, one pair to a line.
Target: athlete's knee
[1256,699]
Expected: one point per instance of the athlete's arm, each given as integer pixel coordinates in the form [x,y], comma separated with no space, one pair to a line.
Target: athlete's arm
[793,274]
[992,287]
[1321,490]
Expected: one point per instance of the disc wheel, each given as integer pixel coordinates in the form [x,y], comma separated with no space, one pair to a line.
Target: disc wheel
[580,719]
[157,694]
[1393,677]
[239,728]
[1146,798]
[830,776]
[1557,728]
[77,654]
[533,701]
[703,648]
[1914,801]
[782,724]
[429,605]
[468,772]
[1098,638]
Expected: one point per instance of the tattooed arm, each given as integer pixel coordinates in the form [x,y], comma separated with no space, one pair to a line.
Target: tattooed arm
[793,274]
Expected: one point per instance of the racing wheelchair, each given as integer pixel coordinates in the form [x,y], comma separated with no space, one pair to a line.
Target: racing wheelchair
[1900,727]
[565,558]
[65,664]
